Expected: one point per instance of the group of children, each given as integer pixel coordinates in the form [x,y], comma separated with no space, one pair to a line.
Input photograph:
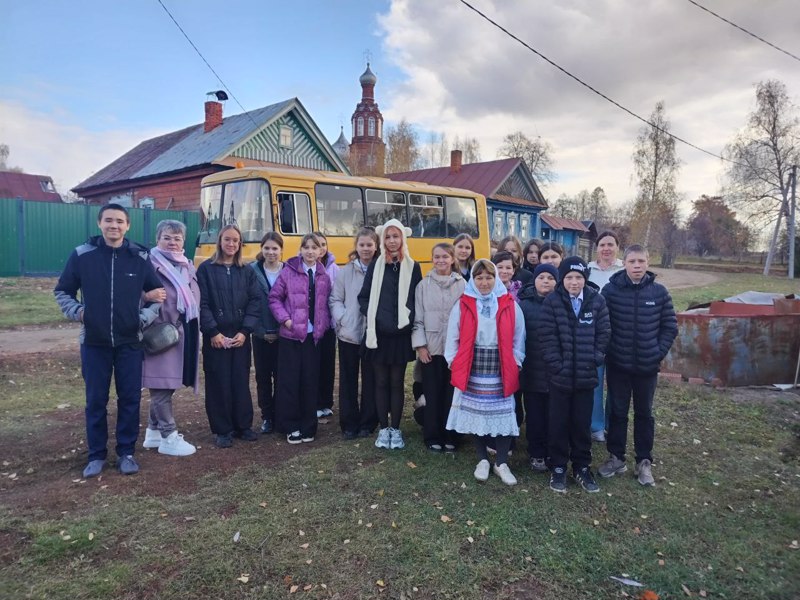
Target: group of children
[520,337]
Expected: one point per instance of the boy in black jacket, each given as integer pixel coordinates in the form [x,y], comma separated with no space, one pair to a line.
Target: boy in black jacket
[111,273]
[643,328]
[575,330]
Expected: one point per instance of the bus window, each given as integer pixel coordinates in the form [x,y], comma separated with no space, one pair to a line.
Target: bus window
[462,216]
[295,212]
[383,205]
[340,209]
[426,217]
[210,205]
[246,205]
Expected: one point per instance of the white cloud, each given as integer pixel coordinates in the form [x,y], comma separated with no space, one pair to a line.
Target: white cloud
[465,77]
[49,144]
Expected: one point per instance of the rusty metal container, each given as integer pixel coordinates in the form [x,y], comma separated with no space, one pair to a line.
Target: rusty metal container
[744,345]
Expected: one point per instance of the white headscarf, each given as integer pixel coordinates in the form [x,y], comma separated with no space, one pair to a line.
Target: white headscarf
[487,303]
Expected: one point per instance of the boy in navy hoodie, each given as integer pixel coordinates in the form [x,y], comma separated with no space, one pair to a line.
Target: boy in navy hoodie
[575,330]
[111,273]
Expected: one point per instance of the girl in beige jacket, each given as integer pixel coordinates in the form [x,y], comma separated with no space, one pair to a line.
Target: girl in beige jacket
[436,295]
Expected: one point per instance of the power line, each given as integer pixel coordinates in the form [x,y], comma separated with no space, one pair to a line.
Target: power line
[200,54]
[750,33]
[589,87]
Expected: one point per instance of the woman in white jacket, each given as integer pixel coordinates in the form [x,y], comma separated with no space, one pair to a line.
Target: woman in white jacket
[435,297]
[356,419]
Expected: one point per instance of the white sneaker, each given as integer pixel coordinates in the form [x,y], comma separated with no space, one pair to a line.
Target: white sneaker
[384,439]
[397,442]
[320,413]
[482,470]
[152,438]
[175,445]
[505,474]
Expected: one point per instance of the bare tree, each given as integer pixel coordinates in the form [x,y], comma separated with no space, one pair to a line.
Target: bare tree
[598,206]
[402,148]
[565,206]
[763,153]
[470,147]
[656,166]
[5,151]
[537,154]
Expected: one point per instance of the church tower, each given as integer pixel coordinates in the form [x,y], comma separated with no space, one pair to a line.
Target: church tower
[367,150]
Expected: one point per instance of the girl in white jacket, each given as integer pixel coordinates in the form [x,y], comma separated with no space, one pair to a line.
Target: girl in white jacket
[436,295]
[356,419]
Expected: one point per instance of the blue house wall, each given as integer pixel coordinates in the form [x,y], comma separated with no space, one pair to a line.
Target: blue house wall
[566,237]
[513,219]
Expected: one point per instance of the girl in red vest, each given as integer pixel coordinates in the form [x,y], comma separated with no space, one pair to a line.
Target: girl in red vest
[485,348]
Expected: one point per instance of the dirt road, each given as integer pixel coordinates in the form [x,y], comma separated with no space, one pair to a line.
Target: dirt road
[65,337]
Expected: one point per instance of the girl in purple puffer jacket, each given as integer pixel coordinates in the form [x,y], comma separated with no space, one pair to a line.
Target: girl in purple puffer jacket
[299,302]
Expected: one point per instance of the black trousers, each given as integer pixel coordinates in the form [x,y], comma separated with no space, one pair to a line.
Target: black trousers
[389,393]
[229,405]
[327,369]
[298,387]
[621,387]
[537,411]
[569,432]
[438,399]
[355,416]
[265,357]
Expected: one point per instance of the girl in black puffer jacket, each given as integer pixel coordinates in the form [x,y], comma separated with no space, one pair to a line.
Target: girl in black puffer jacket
[533,379]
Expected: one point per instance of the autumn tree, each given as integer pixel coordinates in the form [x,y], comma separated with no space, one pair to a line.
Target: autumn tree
[402,148]
[714,229]
[584,206]
[536,152]
[762,155]
[656,165]
[565,206]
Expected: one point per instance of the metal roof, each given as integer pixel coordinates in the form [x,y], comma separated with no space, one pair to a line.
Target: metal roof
[560,223]
[27,187]
[518,201]
[192,147]
[483,177]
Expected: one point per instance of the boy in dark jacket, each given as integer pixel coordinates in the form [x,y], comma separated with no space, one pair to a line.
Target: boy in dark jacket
[574,333]
[643,325]
[533,379]
[111,274]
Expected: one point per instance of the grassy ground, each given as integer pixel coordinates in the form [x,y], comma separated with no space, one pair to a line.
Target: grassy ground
[730,284]
[27,301]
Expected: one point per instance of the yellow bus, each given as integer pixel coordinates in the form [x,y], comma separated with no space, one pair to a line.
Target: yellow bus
[297,201]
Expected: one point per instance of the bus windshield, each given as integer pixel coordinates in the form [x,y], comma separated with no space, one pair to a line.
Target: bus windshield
[245,204]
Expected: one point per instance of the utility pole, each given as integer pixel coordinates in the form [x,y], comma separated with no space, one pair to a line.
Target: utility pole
[792,222]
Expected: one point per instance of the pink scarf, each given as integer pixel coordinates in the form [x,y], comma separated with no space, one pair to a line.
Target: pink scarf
[175,266]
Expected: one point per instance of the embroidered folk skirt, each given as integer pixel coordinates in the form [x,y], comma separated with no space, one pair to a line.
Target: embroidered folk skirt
[481,409]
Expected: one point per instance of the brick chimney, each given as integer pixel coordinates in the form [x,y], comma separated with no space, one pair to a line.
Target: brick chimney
[455,161]
[213,115]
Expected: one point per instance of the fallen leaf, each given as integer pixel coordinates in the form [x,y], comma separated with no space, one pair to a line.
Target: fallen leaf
[596,522]
[236,536]
[380,493]
[373,506]
[470,540]
[185,518]
[304,546]
[644,516]
[660,562]
[287,579]
[637,531]
[309,561]
[648,595]
[323,585]
[624,580]
[293,589]
[463,485]
[302,533]
[794,545]
[380,583]
[702,593]
[307,587]
[262,504]
[470,523]
[369,524]
[696,442]
[740,569]
[244,577]
[394,524]
[411,465]
[347,541]
[686,590]
[445,519]
[91,535]
[553,531]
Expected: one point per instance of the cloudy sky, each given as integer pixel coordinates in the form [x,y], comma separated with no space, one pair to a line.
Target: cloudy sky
[84,82]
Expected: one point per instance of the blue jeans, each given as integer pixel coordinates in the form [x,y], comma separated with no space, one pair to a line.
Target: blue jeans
[599,414]
[97,365]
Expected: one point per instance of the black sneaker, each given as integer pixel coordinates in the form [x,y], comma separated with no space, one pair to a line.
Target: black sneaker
[223,441]
[538,465]
[586,480]
[294,438]
[365,433]
[558,480]
[349,435]
[246,435]
[267,426]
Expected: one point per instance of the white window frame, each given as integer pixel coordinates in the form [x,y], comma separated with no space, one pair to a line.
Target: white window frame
[286,136]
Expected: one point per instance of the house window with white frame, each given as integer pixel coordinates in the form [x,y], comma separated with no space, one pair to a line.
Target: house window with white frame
[286,136]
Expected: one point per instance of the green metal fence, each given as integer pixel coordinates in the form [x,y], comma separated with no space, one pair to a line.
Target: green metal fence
[36,238]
